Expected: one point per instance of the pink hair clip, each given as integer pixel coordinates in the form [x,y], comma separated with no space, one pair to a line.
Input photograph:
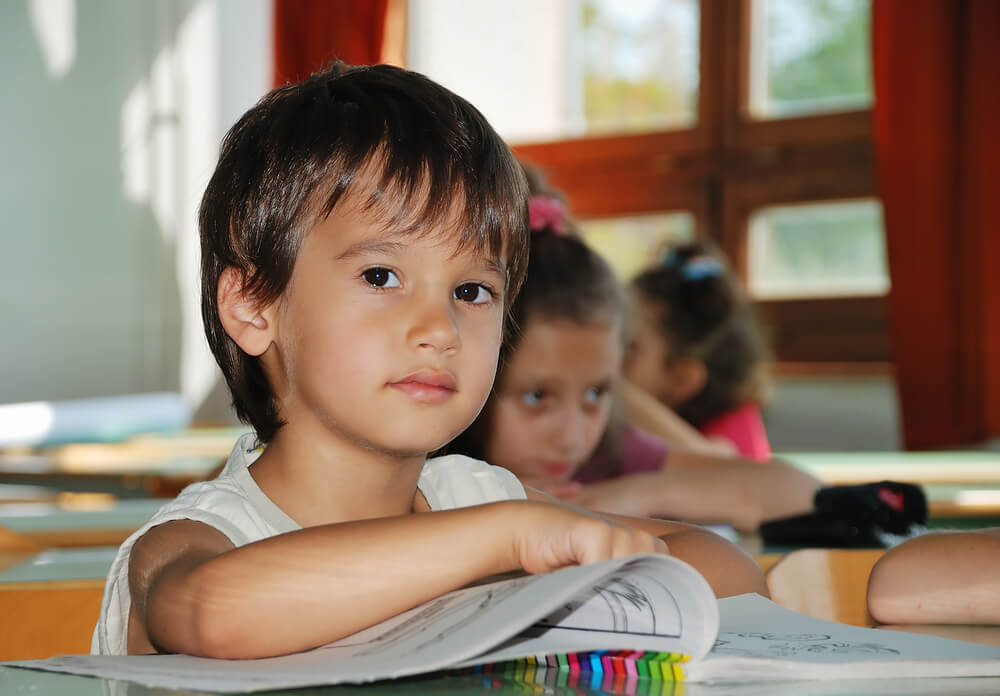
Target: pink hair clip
[545,211]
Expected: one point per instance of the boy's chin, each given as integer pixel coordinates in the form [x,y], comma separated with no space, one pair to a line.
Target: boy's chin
[412,447]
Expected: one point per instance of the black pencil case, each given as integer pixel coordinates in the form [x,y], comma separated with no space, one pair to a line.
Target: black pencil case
[862,515]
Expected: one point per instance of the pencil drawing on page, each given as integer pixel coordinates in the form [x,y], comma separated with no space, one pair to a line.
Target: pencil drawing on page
[756,644]
[634,603]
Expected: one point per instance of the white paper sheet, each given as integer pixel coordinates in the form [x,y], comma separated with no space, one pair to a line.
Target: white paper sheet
[760,641]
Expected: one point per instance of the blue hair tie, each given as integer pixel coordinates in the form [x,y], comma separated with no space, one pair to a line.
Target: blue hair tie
[670,258]
[701,267]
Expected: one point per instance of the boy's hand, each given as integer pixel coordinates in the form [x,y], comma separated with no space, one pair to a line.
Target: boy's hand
[547,537]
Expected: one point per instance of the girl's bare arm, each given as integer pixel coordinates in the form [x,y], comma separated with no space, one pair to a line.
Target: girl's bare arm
[707,489]
[192,592]
[947,577]
[645,411]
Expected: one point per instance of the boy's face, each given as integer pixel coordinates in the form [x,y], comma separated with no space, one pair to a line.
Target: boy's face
[384,341]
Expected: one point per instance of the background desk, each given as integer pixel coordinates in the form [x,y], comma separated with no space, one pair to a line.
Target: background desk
[77,522]
[144,478]
[156,465]
[943,467]
[962,487]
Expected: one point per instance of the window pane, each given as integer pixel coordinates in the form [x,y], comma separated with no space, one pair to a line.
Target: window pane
[630,244]
[818,250]
[809,56]
[563,68]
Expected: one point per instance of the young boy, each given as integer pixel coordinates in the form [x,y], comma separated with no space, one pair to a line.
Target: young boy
[362,237]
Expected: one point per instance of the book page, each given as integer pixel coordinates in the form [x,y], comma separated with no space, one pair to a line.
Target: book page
[445,632]
[761,640]
[642,606]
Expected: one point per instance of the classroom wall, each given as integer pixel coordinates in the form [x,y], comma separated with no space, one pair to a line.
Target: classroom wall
[112,112]
[833,413]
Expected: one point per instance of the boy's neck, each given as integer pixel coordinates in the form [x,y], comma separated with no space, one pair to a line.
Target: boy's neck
[319,479]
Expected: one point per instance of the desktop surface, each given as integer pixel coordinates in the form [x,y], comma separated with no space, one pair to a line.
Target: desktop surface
[24,682]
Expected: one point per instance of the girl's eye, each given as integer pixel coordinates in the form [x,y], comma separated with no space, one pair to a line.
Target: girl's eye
[379,277]
[473,293]
[595,394]
[533,398]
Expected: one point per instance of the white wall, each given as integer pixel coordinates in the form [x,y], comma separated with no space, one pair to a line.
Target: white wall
[112,113]
[833,413]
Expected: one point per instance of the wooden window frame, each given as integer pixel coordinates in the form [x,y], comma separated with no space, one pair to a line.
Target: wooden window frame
[724,169]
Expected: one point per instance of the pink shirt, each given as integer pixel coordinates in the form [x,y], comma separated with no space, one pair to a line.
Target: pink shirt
[743,427]
[641,452]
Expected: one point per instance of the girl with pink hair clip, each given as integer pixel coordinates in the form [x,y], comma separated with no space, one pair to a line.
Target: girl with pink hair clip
[554,417]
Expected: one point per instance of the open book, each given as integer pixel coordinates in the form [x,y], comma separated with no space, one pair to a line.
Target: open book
[652,615]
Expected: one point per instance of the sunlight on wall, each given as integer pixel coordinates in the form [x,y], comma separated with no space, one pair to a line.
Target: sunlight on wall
[169,142]
[54,23]
[197,54]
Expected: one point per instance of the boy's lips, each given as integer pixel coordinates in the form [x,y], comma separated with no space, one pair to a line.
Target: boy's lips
[427,386]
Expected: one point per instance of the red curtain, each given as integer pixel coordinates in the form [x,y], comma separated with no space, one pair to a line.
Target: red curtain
[937,138]
[308,34]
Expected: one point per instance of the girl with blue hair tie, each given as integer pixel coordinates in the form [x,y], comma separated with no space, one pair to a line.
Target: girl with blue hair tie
[698,350]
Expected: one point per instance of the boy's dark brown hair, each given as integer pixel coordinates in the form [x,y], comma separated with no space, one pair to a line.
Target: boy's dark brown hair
[704,313]
[407,149]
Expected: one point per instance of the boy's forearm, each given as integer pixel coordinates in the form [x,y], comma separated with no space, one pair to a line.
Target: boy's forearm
[296,591]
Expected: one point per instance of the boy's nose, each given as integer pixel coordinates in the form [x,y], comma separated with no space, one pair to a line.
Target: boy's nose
[433,327]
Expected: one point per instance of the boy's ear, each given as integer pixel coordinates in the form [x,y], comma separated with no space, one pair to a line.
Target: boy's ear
[246,322]
[687,377]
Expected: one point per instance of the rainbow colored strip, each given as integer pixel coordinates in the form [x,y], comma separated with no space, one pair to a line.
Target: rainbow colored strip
[601,669]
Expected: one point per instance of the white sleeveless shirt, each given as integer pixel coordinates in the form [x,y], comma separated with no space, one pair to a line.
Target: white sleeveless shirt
[235,505]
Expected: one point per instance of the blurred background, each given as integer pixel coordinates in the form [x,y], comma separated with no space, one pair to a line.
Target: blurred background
[841,153]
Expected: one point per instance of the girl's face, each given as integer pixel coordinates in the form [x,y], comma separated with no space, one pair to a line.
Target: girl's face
[554,402]
[648,362]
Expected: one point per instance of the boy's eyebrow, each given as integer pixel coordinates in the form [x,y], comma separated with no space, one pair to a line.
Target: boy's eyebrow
[493,265]
[370,246]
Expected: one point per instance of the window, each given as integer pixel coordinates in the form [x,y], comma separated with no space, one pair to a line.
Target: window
[630,244]
[745,121]
[809,57]
[831,249]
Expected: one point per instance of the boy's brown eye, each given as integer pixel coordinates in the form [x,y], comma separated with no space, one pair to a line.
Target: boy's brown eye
[473,293]
[379,277]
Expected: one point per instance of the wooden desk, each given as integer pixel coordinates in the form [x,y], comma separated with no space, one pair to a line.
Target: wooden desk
[53,598]
[950,467]
[13,493]
[156,478]
[98,521]
[55,614]
[144,466]
[828,584]
[962,487]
